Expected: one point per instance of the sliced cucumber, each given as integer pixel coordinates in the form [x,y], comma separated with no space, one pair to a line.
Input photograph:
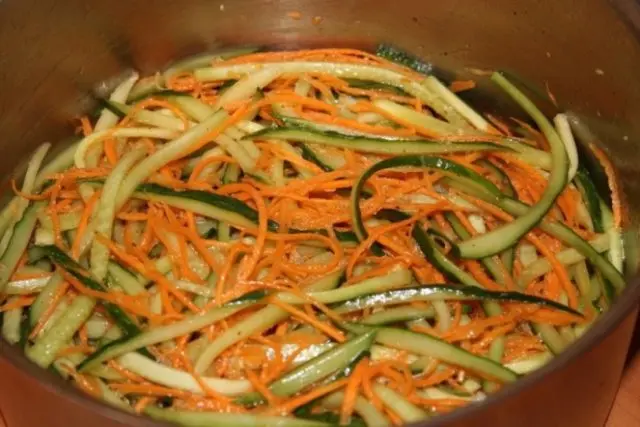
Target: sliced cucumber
[427,345]
[174,378]
[157,335]
[372,145]
[508,235]
[317,368]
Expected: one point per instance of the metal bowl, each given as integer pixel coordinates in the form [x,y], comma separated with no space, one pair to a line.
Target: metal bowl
[53,53]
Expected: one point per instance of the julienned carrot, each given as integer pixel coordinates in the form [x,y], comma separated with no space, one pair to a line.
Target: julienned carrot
[351,391]
[17,303]
[462,85]
[312,211]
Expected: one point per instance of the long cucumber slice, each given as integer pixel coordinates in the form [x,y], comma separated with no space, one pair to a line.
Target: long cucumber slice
[399,405]
[371,145]
[430,346]
[120,317]
[317,368]
[399,314]
[105,214]
[445,292]
[174,378]
[506,236]
[46,347]
[19,242]
[398,277]
[169,152]
[157,335]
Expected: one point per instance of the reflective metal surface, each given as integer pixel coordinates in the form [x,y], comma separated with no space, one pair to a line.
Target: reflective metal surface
[53,53]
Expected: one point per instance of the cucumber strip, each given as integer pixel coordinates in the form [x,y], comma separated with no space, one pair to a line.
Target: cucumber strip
[398,314]
[203,418]
[529,364]
[222,208]
[146,87]
[172,150]
[107,118]
[45,349]
[174,378]
[193,62]
[396,278]
[27,187]
[569,256]
[192,107]
[119,316]
[437,393]
[11,322]
[247,86]
[316,157]
[508,256]
[97,326]
[489,263]
[616,248]
[406,410]
[508,235]
[437,87]
[444,293]
[44,298]
[555,342]
[18,244]
[421,120]
[394,54]
[322,366]
[427,345]
[61,162]
[112,398]
[341,70]
[257,322]
[590,197]
[68,221]
[378,145]
[583,281]
[461,173]
[238,152]
[500,176]
[369,413]
[87,144]
[157,335]
[287,116]
[534,156]
[124,279]
[26,286]
[147,117]
[566,135]
[105,212]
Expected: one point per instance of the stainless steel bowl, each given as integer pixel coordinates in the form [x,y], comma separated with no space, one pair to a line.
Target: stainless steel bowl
[53,53]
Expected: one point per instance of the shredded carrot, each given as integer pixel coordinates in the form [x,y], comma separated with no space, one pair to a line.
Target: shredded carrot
[462,85]
[351,391]
[17,303]
[318,392]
